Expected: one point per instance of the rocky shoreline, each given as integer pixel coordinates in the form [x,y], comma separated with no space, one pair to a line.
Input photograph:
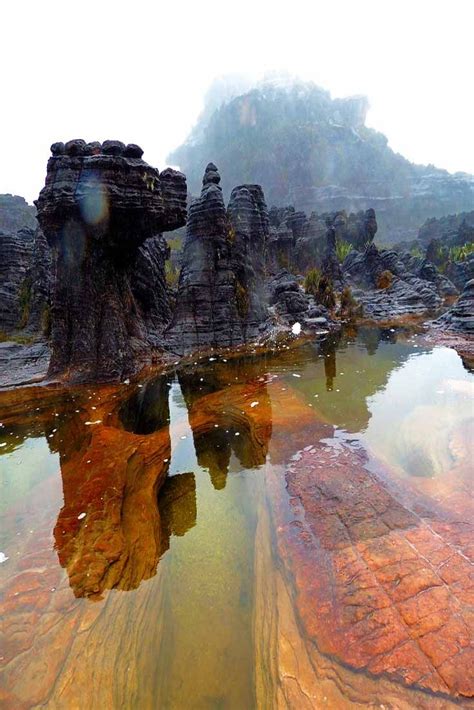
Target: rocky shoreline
[85,296]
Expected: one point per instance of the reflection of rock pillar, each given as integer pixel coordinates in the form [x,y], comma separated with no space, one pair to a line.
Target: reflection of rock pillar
[330,368]
[97,208]
[108,533]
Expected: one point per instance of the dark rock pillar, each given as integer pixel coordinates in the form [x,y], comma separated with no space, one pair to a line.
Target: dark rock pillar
[99,209]
[219,301]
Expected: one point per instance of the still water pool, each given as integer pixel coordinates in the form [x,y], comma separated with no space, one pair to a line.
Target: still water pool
[139,528]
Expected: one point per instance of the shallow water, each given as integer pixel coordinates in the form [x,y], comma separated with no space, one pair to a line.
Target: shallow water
[113,599]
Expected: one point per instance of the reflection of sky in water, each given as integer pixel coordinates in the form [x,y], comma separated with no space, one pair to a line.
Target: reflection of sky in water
[414,416]
[23,468]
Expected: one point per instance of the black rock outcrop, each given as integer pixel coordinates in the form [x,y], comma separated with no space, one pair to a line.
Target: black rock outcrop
[100,209]
[460,317]
[220,292]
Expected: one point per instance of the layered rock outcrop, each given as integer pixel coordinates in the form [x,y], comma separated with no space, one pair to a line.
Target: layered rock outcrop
[220,291]
[16,249]
[99,209]
[460,317]
[297,241]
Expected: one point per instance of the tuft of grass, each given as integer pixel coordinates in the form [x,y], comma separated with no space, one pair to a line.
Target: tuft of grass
[461,253]
[24,298]
[46,321]
[350,309]
[326,295]
[385,279]
[343,248]
[20,339]
[171,274]
[242,299]
[311,281]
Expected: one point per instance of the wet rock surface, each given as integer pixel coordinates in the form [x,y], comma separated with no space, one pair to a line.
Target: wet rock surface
[98,207]
[383,574]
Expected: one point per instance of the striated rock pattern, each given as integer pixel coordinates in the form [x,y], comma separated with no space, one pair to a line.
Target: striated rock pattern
[460,317]
[220,290]
[25,281]
[452,230]
[389,284]
[297,241]
[460,272]
[100,203]
[16,250]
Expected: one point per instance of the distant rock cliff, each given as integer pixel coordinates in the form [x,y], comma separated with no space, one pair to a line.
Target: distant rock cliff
[317,153]
[16,213]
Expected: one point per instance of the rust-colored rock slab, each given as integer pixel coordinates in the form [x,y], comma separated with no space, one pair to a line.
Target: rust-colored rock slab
[379,587]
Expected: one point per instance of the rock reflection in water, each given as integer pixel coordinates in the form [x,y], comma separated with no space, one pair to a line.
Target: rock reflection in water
[224,422]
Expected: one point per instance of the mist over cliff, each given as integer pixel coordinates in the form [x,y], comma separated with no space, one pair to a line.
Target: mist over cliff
[316,153]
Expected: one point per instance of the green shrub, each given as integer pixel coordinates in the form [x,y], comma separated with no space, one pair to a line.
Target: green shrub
[171,274]
[242,300]
[325,295]
[46,321]
[342,249]
[311,281]
[24,298]
[461,253]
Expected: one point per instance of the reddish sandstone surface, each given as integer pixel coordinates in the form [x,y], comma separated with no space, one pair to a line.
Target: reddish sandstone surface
[381,585]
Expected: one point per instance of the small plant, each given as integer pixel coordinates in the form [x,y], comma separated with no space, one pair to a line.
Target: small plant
[325,294]
[343,248]
[311,281]
[24,298]
[46,321]
[384,280]
[171,274]
[461,253]
[242,300]
[350,309]
[416,251]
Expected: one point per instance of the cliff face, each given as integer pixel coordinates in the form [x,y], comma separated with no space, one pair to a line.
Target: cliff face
[15,214]
[220,292]
[16,250]
[100,209]
[25,279]
[317,154]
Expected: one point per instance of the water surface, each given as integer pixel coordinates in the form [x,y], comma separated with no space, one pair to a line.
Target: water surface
[119,596]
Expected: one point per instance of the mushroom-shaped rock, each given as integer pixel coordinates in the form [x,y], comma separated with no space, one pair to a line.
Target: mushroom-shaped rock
[101,213]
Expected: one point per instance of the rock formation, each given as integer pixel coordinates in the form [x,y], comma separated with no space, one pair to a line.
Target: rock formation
[16,214]
[25,279]
[326,158]
[99,209]
[460,317]
[297,241]
[16,249]
[220,290]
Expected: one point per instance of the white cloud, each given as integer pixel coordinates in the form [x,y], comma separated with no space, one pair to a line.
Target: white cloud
[138,71]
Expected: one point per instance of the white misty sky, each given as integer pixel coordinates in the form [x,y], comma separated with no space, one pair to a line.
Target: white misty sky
[138,71]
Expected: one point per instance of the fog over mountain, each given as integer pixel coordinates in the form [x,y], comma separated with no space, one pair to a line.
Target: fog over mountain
[316,153]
